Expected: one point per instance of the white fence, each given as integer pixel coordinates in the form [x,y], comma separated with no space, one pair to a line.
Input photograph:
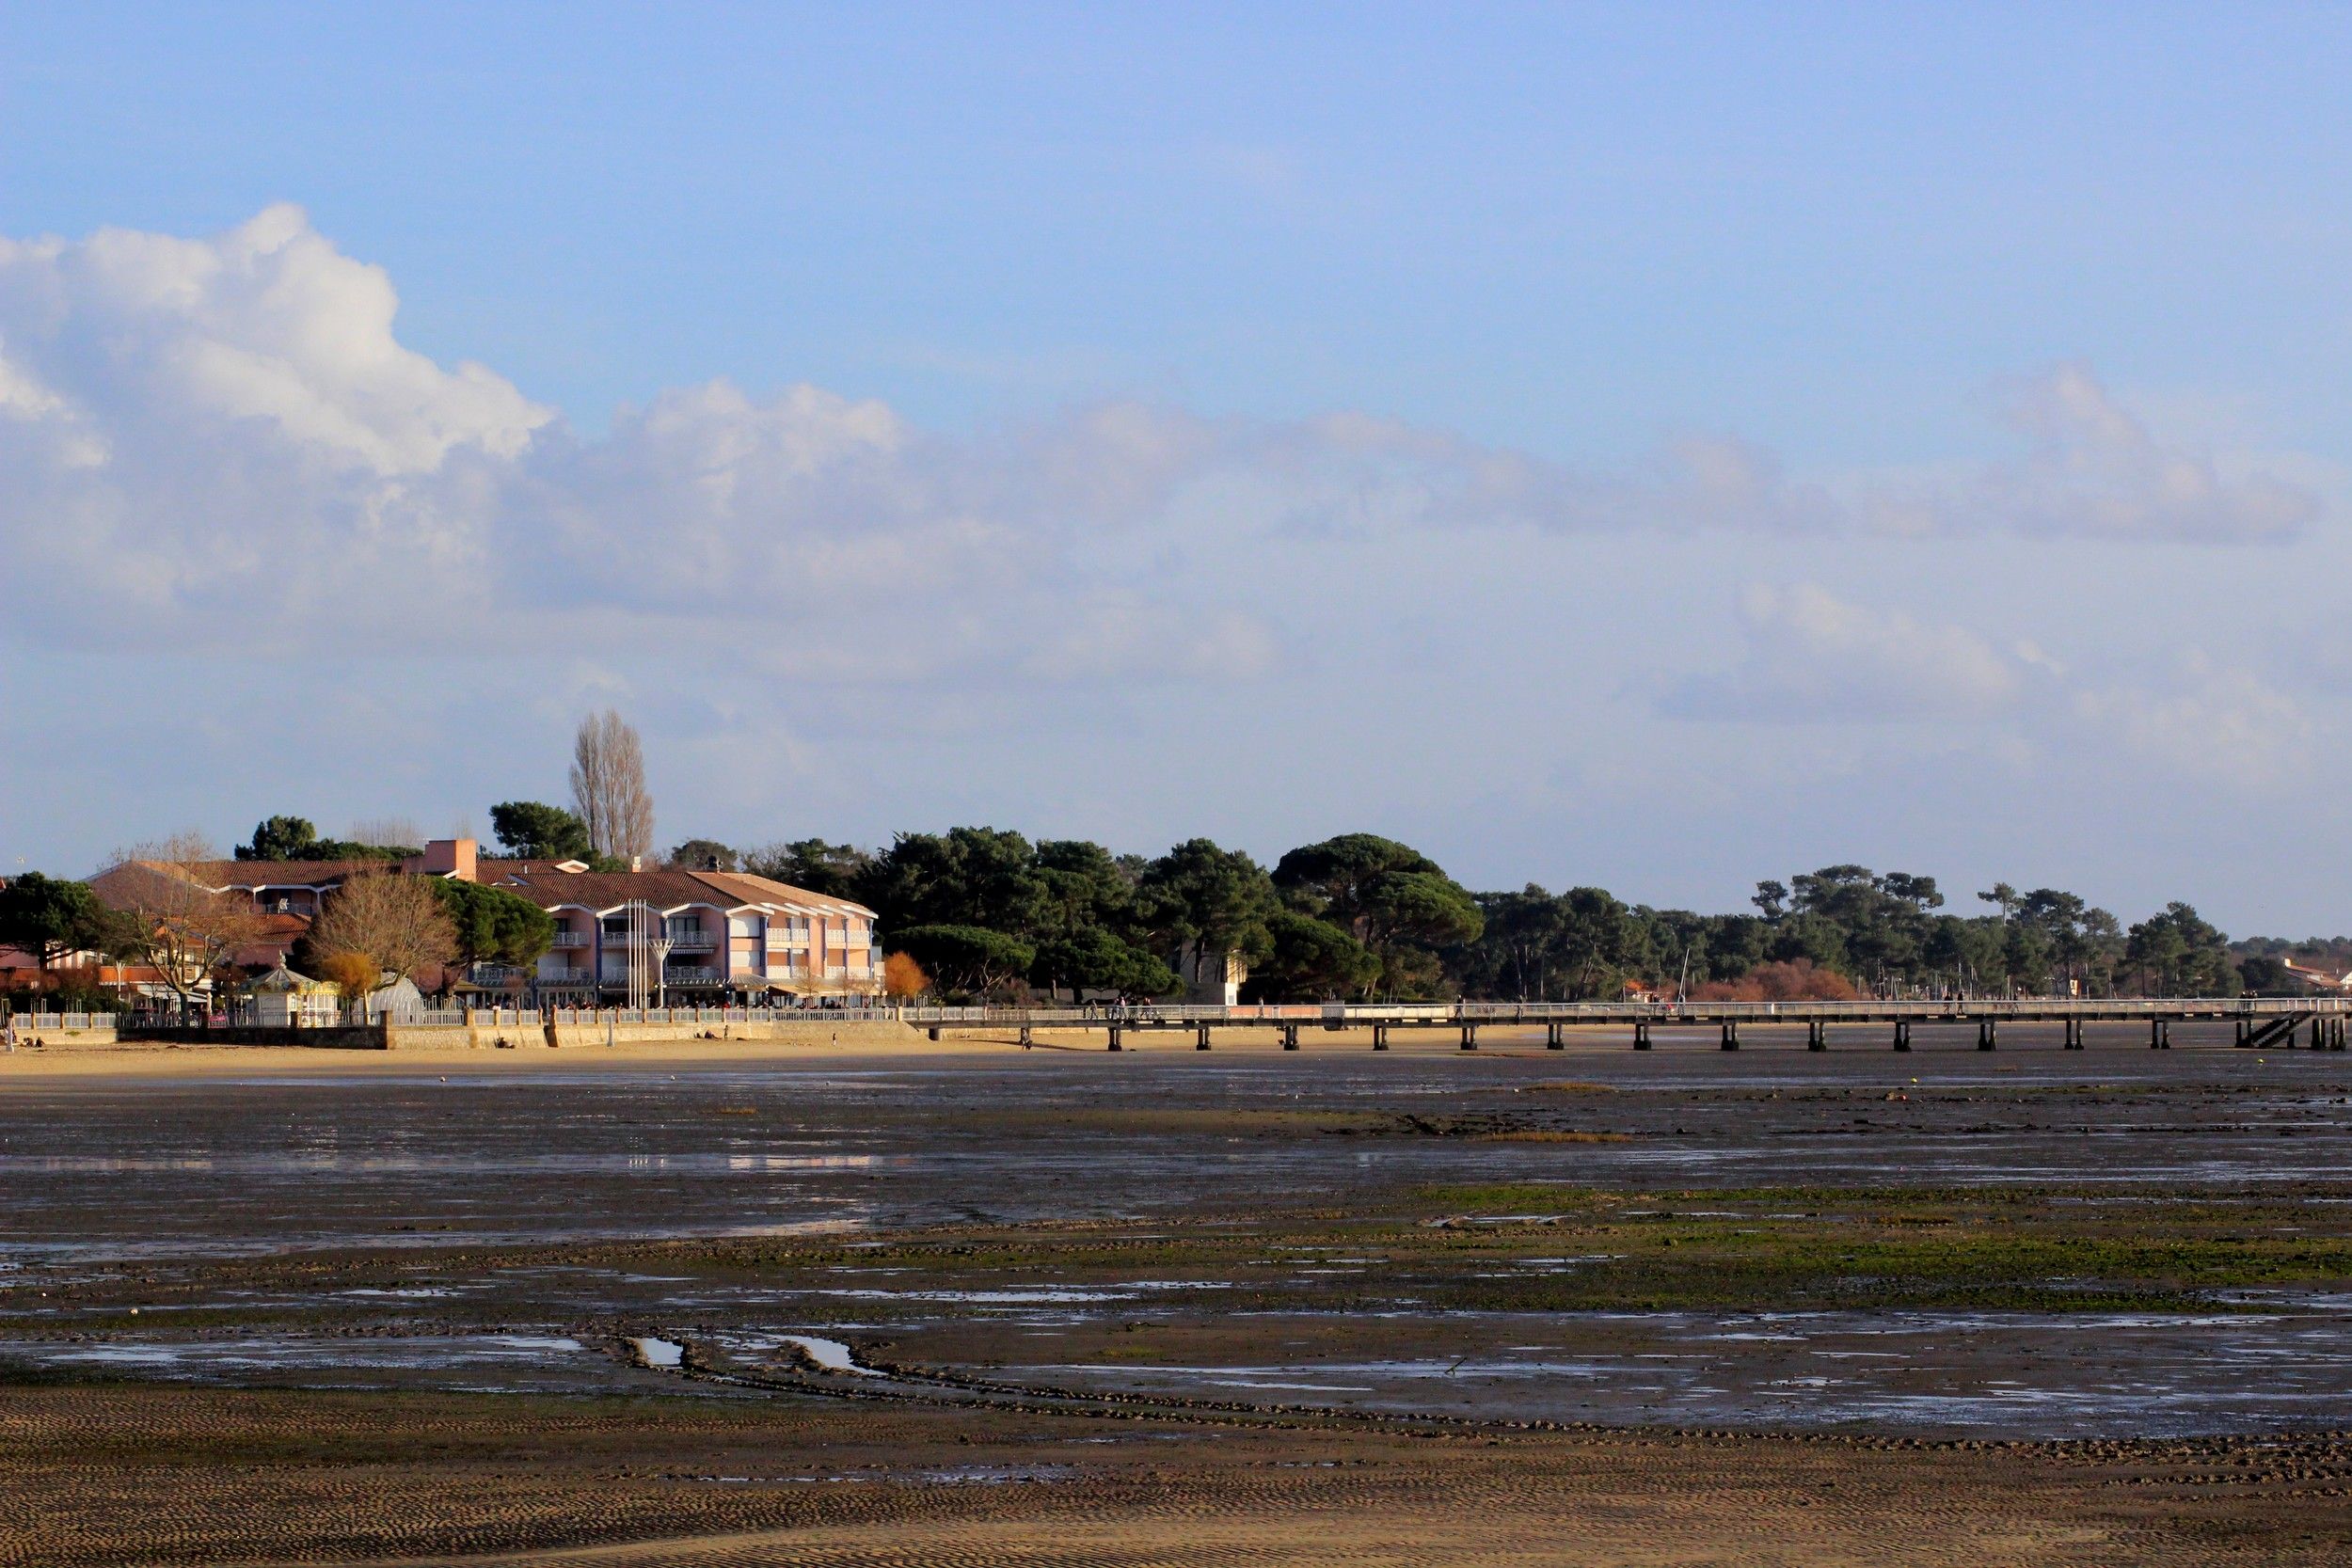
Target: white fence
[530,1018]
[34,1023]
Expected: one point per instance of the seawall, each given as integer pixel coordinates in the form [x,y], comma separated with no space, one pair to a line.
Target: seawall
[532,1034]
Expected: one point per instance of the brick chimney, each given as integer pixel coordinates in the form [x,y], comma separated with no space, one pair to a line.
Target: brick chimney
[449,857]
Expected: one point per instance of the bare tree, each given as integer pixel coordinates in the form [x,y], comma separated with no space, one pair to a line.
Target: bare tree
[188,847]
[187,931]
[608,786]
[397,922]
[393,832]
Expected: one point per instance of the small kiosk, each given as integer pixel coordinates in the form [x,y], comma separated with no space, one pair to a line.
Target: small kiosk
[284,1000]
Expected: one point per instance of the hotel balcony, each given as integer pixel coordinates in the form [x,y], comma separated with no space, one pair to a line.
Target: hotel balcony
[571,939]
[696,941]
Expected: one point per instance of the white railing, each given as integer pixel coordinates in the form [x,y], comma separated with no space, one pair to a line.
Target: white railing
[2045,1008]
[65,1020]
[570,938]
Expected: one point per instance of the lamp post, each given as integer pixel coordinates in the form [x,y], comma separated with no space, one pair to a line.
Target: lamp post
[648,955]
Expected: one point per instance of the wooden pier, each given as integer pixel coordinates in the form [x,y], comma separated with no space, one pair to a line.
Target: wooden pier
[2316,1022]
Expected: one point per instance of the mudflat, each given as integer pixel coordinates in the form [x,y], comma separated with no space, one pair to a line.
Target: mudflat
[992,1306]
[121,1475]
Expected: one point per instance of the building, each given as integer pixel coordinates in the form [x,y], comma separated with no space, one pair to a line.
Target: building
[1211,975]
[719,933]
[284,1000]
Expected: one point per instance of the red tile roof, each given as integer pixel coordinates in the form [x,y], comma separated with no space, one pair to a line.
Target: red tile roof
[607,890]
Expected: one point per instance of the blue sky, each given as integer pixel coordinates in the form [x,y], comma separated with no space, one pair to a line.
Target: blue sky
[1658,446]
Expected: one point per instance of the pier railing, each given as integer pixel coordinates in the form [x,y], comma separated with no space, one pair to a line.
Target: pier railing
[1863,1010]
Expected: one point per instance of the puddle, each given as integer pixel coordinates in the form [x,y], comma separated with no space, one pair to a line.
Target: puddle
[993,1475]
[832,1354]
[1940,1373]
[513,1362]
[1042,1295]
[661,1354]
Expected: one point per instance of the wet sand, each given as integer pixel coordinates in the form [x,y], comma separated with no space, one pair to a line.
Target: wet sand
[1466,1304]
[284,1477]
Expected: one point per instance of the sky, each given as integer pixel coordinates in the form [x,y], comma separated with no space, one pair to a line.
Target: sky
[1655,446]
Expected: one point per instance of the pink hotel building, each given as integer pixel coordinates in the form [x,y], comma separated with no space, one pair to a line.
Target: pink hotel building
[725,932]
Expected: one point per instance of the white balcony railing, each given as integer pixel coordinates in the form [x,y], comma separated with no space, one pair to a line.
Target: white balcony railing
[570,938]
[694,940]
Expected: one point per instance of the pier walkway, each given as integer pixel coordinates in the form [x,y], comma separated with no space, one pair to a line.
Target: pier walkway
[2319,1023]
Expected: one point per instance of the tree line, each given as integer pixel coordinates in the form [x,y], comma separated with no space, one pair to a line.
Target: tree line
[978,911]
[1360,917]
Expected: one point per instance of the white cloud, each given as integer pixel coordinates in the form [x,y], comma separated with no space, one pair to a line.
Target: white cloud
[2093,469]
[226,434]
[2209,720]
[267,325]
[228,426]
[1813,656]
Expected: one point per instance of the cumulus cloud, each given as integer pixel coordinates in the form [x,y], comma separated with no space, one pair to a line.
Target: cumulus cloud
[226,432]
[187,422]
[2089,469]
[2092,469]
[1811,656]
[2208,720]
[266,327]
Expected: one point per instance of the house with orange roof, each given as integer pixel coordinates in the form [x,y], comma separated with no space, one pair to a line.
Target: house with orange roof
[717,933]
